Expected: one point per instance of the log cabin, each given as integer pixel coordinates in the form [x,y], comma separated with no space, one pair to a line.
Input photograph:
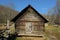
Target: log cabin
[29,22]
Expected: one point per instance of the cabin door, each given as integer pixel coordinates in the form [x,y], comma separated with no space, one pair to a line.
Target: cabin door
[29,28]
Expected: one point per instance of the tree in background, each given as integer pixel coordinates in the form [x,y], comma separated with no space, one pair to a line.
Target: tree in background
[57,21]
[54,14]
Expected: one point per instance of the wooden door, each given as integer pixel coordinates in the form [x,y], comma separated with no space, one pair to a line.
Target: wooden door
[29,28]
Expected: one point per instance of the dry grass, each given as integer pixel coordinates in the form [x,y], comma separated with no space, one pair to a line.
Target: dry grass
[53,32]
[2,27]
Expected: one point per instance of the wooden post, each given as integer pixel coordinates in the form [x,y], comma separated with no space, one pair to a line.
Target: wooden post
[7,24]
[8,27]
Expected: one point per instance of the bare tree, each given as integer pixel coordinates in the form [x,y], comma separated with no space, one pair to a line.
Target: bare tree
[57,21]
[54,14]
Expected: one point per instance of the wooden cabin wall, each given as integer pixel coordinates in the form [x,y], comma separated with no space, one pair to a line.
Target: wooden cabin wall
[30,17]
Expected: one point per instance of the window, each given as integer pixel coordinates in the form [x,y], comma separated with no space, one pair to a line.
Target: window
[28,28]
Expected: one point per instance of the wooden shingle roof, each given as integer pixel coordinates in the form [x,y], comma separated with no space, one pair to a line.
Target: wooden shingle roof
[24,10]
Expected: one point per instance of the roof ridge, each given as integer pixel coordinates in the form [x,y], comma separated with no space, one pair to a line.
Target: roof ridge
[24,10]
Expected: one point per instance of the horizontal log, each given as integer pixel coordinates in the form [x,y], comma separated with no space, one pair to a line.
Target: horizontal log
[28,35]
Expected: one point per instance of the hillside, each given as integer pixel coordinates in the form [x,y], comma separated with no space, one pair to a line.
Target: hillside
[6,13]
